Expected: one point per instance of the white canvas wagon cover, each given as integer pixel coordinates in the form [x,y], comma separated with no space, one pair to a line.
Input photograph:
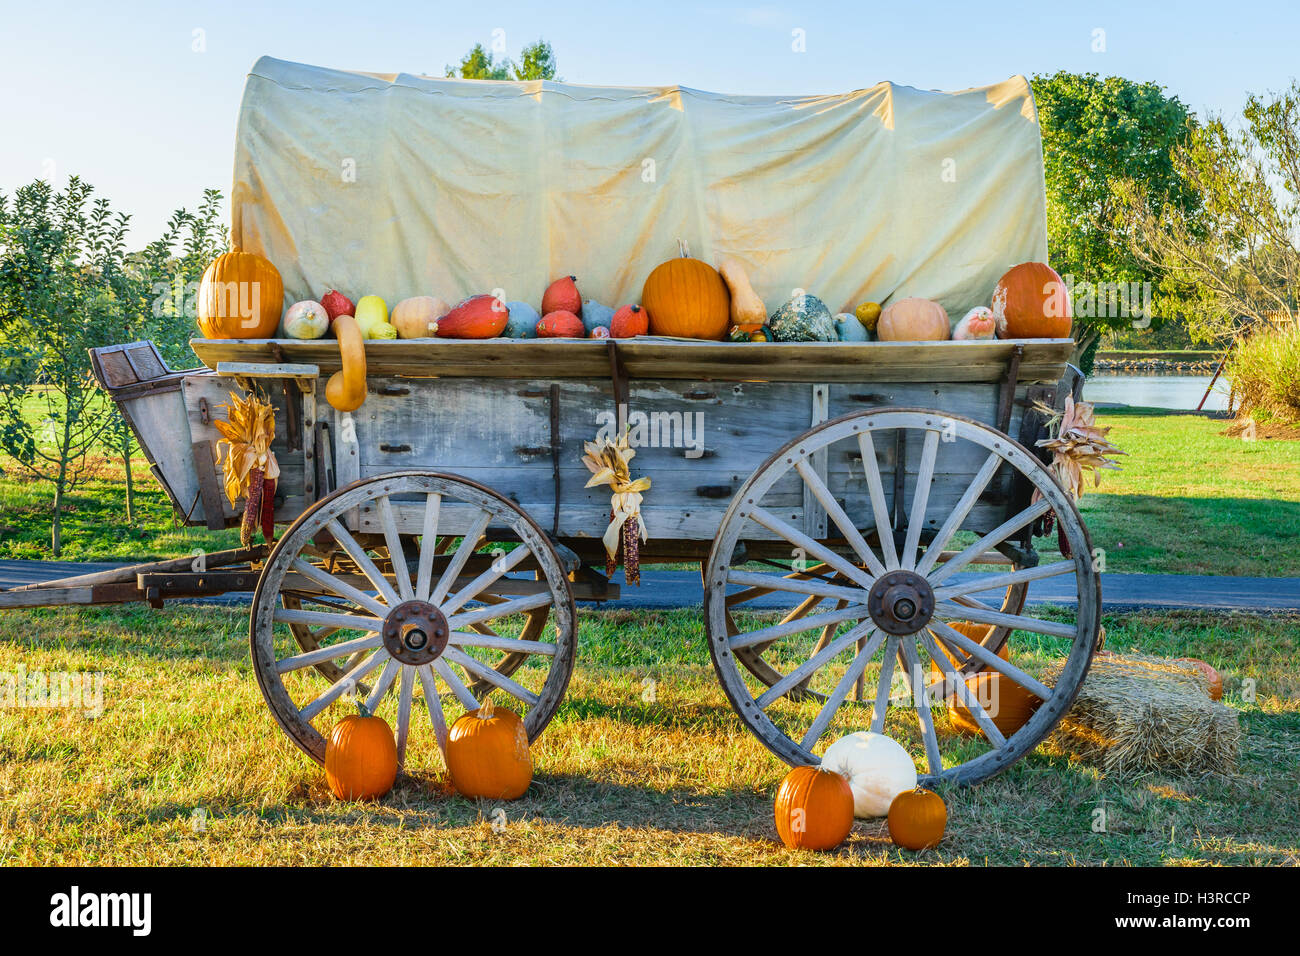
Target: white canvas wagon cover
[403,185]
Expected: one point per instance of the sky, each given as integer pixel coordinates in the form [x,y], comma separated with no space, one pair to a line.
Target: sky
[141,98]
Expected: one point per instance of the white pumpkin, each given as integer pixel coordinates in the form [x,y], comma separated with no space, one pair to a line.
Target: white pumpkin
[876,767]
[978,323]
[306,320]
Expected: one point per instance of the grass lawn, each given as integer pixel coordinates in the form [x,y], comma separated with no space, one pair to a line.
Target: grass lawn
[619,779]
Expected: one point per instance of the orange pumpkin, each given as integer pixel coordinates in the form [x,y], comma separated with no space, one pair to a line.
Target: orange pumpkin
[814,809]
[628,322]
[487,754]
[913,320]
[687,298]
[360,757]
[1008,704]
[1032,302]
[1213,676]
[240,297]
[917,819]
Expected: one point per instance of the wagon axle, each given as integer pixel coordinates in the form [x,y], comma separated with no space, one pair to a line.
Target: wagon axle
[901,602]
[415,632]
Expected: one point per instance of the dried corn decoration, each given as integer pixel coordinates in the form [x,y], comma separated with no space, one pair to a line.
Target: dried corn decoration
[1077,443]
[250,466]
[609,464]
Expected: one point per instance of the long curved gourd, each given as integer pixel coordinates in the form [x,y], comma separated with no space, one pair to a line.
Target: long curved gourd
[346,389]
[747,309]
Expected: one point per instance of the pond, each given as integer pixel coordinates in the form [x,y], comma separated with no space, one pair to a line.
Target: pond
[1155,390]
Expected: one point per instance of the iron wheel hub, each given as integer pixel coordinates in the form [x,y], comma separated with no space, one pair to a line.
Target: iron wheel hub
[415,632]
[901,602]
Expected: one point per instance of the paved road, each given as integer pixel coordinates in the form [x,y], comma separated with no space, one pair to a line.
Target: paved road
[670,589]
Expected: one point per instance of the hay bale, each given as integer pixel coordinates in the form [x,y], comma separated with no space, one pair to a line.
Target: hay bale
[1136,713]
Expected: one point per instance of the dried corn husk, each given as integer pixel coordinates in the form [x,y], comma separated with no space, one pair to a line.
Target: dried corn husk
[610,464]
[1077,443]
[249,464]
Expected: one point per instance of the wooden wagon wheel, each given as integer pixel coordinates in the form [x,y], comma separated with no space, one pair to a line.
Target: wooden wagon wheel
[404,627]
[899,602]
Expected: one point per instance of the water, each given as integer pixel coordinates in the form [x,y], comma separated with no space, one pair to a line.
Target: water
[1156,390]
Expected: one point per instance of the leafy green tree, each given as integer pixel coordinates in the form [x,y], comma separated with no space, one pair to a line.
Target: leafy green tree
[1098,134]
[536,62]
[67,285]
[479,64]
[1237,248]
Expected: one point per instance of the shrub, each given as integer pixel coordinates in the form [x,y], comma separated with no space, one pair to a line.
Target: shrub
[1265,375]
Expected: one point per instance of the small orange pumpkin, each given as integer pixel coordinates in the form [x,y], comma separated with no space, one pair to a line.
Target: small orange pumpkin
[241,296]
[1032,302]
[687,298]
[814,809]
[1213,676]
[913,320]
[1008,704]
[917,819]
[360,757]
[487,754]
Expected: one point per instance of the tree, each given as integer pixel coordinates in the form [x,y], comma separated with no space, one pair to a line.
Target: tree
[1238,246]
[537,62]
[1097,134]
[67,285]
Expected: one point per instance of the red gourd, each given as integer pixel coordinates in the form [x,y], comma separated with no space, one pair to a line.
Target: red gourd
[561,324]
[478,317]
[629,321]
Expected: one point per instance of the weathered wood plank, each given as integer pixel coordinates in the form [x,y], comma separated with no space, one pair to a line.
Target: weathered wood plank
[661,358]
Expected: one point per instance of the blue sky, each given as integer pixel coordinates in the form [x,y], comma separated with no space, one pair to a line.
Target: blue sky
[120,93]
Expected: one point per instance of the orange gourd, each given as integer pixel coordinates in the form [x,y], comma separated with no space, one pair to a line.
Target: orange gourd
[913,320]
[1213,676]
[561,325]
[629,322]
[241,296]
[1008,704]
[814,809]
[360,757]
[478,317]
[487,754]
[687,298]
[1032,302]
[346,388]
[747,310]
[917,819]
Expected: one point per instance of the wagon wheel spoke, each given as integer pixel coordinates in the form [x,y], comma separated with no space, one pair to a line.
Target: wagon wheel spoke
[766,583]
[428,545]
[872,638]
[991,581]
[468,545]
[341,686]
[396,556]
[467,700]
[876,490]
[963,691]
[493,641]
[921,704]
[839,516]
[382,685]
[798,626]
[920,498]
[959,512]
[998,535]
[814,663]
[500,566]
[824,554]
[490,612]
[339,621]
[954,640]
[404,713]
[884,685]
[433,703]
[947,611]
[332,583]
[483,671]
[329,653]
[362,561]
